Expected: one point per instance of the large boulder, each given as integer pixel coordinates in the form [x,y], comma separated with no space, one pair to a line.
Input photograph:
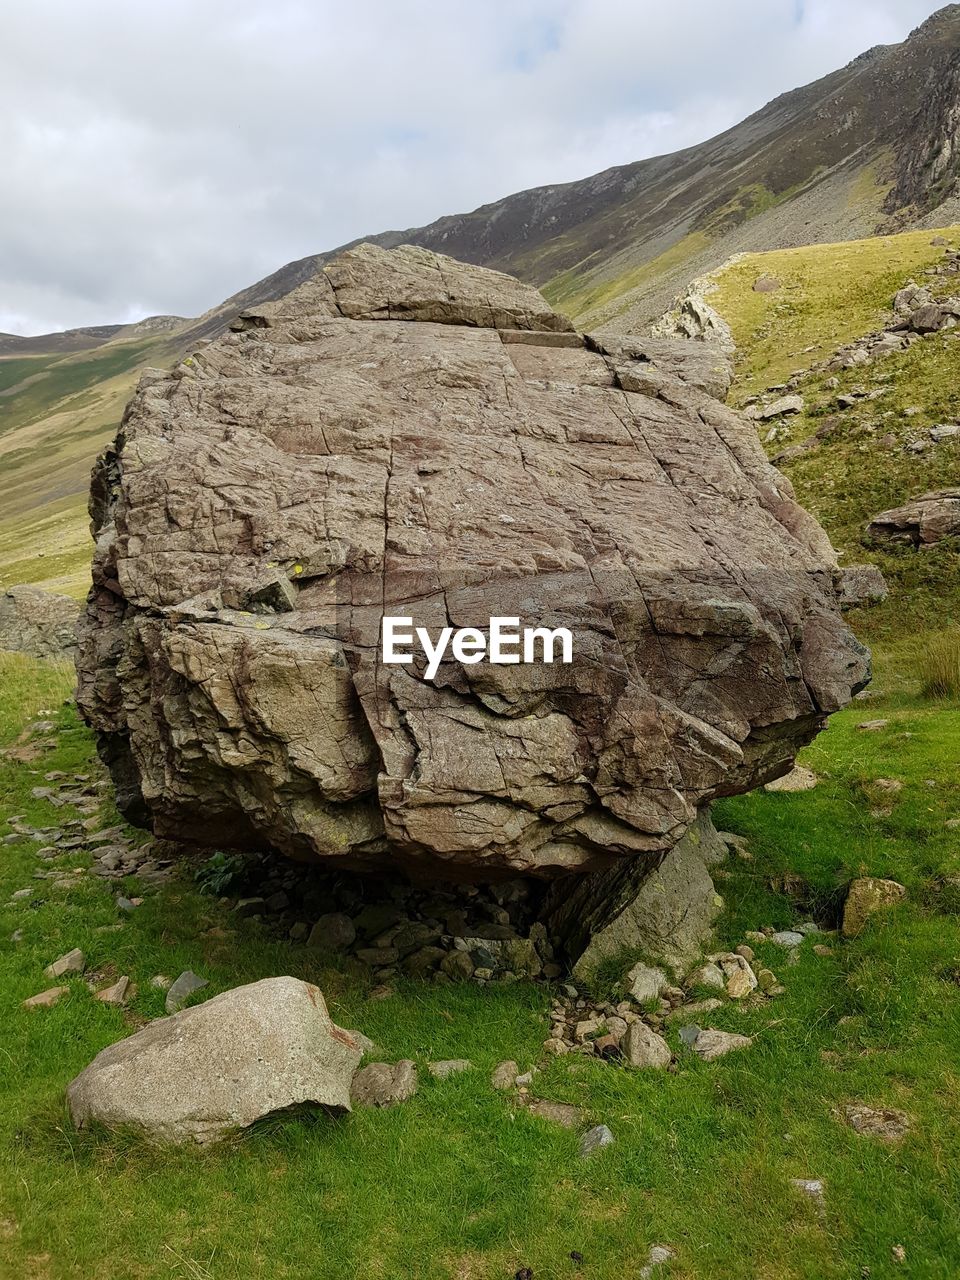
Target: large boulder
[921,521]
[218,1067]
[404,435]
[38,622]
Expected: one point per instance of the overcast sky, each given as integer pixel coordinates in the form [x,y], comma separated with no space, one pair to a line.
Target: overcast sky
[157,158]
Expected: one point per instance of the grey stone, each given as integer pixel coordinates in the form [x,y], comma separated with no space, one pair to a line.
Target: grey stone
[707,975]
[505,1075]
[711,1044]
[798,779]
[642,1047]
[644,983]
[37,622]
[333,932]
[672,914]
[785,405]
[595,1140]
[385,1084]
[72,962]
[449,1067]
[787,938]
[208,1071]
[180,991]
[658,1255]
[45,999]
[887,1123]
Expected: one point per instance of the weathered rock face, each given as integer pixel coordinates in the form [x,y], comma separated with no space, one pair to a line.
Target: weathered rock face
[405,435]
[204,1072]
[38,622]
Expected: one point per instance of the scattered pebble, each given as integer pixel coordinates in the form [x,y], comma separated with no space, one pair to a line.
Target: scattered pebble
[595,1139]
[505,1075]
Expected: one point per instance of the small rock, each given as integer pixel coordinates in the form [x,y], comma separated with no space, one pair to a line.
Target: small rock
[449,1067]
[333,932]
[690,1034]
[72,962]
[658,1255]
[182,989]
[747,952]
[556,1046]
[384,1084]
[798,779]
[766,980]
[115,994]
[866,896]
[161,982]
[872,726]
[505,1075]
[821,950]
[642,1047]
[787,938]
[562,1113]
[812,1188]
[711,1044]
[694,1010]
[708,975]
[249,907]
[594,1139]
[644,983]
[457,965]
[740,983]
[886,1123]
[898,1253]
[46,999]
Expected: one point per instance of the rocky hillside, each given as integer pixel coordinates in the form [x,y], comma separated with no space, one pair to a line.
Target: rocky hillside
[847,357]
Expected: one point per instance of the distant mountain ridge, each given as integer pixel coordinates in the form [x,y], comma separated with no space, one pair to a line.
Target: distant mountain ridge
[872,148]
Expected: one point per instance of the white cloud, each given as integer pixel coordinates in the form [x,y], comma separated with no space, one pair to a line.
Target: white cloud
[157,158]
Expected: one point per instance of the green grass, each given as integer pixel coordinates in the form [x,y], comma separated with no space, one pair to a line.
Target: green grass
[457,1183]
[860,467]
[829,295]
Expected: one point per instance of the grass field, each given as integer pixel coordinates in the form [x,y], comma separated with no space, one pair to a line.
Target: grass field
[459,1183]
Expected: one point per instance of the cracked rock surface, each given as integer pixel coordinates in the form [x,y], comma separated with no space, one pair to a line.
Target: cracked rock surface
[408,435]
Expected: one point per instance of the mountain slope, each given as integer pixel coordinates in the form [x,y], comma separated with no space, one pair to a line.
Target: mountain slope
[873,147]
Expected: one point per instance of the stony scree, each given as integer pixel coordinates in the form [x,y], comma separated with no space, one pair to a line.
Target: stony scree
[266,503]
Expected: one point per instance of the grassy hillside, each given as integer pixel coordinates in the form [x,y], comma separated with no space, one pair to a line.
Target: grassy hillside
[56,413]
[860,463]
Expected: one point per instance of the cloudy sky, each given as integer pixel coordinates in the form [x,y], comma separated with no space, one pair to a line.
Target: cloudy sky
[156,158]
